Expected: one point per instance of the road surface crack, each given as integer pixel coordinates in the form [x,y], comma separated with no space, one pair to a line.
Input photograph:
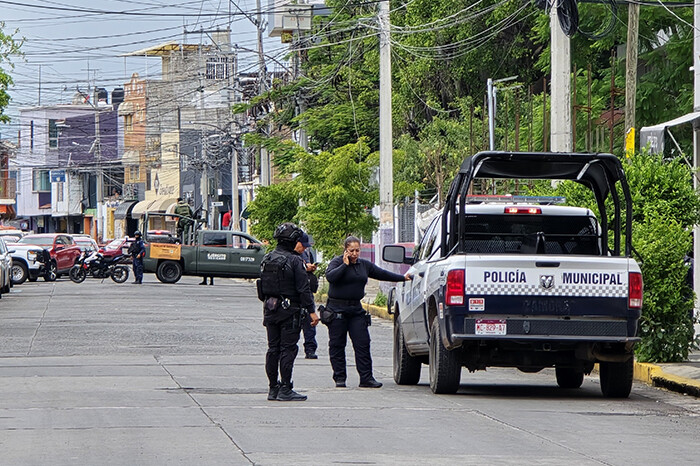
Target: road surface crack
[201,408]
[41,320]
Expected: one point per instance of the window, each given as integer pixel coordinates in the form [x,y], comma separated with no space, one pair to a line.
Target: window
[134,173]
[217,68]
[214,239]
[129,123]
[532,234]
[40,181]
[426,247]
[53,134]
[240,242]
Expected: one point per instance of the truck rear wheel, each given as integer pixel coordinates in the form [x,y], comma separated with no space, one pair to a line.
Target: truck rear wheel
[616,378]
[169,272]
[568,377]
[445,369]
[406,367]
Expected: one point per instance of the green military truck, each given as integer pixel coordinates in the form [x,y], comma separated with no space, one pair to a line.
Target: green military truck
[214,253]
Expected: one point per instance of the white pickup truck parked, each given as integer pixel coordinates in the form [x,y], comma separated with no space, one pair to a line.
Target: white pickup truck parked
[513,281]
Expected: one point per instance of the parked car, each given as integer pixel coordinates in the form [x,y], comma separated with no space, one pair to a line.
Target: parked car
[161,236]
[12,235]
[29,262]
[62,249]
[116,247]
[86,243]
[5,268]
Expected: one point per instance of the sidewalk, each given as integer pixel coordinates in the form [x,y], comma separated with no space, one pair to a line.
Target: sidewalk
[681,377]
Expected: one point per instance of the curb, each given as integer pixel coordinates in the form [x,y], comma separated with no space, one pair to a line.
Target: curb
[655,376]
[651,374]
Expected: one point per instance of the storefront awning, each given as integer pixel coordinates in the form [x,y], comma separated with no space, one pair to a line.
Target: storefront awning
[7,211]
[123,210]
[655,135]
[162,205]
[140,208]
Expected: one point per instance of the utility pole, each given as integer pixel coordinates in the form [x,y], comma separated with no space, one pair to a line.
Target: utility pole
[696,140]
[98,160]
[560,57]
[386,178]
[265,167]
[491,99]
[631,71]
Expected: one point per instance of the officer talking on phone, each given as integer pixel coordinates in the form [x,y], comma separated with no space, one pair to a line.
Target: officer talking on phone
[347,276]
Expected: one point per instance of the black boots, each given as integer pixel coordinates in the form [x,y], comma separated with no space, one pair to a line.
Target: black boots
[371,383]
[287,394]
[272,394]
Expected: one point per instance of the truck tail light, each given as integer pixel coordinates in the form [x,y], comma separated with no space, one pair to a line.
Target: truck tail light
[455,288]
[522,210]
[636,290]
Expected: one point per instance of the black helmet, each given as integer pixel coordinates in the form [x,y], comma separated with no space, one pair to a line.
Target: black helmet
[288,232]
[137,233]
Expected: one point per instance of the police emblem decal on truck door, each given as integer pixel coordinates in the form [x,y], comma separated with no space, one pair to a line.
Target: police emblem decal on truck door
[547,281]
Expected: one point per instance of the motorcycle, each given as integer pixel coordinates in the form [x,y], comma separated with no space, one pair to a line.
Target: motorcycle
[96,265]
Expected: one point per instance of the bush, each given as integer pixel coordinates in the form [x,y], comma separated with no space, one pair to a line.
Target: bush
[380,300]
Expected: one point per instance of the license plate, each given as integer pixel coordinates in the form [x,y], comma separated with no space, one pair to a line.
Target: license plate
[490,327]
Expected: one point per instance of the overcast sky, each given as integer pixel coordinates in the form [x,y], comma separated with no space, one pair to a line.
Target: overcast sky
[79,42]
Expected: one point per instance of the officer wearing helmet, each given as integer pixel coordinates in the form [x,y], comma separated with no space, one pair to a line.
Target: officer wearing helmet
[284,289]
[137,251]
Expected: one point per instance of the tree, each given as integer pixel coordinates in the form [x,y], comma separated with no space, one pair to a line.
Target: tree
[8,47]
[337,196]
[273,205]
[330,196]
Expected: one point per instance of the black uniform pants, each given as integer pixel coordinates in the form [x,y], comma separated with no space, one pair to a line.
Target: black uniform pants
[137,264]
[282,339]
[355,325]
[310,344]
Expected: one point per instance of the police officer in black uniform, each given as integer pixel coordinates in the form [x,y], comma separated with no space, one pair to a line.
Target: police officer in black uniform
[347,276]
[284,286]
[137,251]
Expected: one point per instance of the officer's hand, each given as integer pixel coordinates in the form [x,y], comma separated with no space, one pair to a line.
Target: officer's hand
[314,319]
[408,277]
[310,267]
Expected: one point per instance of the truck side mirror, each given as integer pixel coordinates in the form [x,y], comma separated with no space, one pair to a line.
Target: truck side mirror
[396,254]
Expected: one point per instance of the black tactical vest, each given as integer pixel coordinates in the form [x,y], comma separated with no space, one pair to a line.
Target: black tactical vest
[272,271]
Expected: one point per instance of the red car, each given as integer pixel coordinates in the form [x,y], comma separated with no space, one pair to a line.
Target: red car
[116,247]
[61,247]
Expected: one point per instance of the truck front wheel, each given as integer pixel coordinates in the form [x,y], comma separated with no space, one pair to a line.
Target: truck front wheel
[20,273]
[616,378]
[406,367]
[169,272]
[445,369]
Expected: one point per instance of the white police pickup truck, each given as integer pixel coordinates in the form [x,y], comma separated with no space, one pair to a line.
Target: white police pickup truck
[513,281]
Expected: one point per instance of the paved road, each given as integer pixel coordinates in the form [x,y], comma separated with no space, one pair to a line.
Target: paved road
[101,373]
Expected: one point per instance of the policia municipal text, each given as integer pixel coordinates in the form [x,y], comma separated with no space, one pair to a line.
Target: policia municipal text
[347,276]
[284,289]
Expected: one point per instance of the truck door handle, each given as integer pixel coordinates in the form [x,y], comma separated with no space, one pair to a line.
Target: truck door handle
[421,274]
[546,264]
